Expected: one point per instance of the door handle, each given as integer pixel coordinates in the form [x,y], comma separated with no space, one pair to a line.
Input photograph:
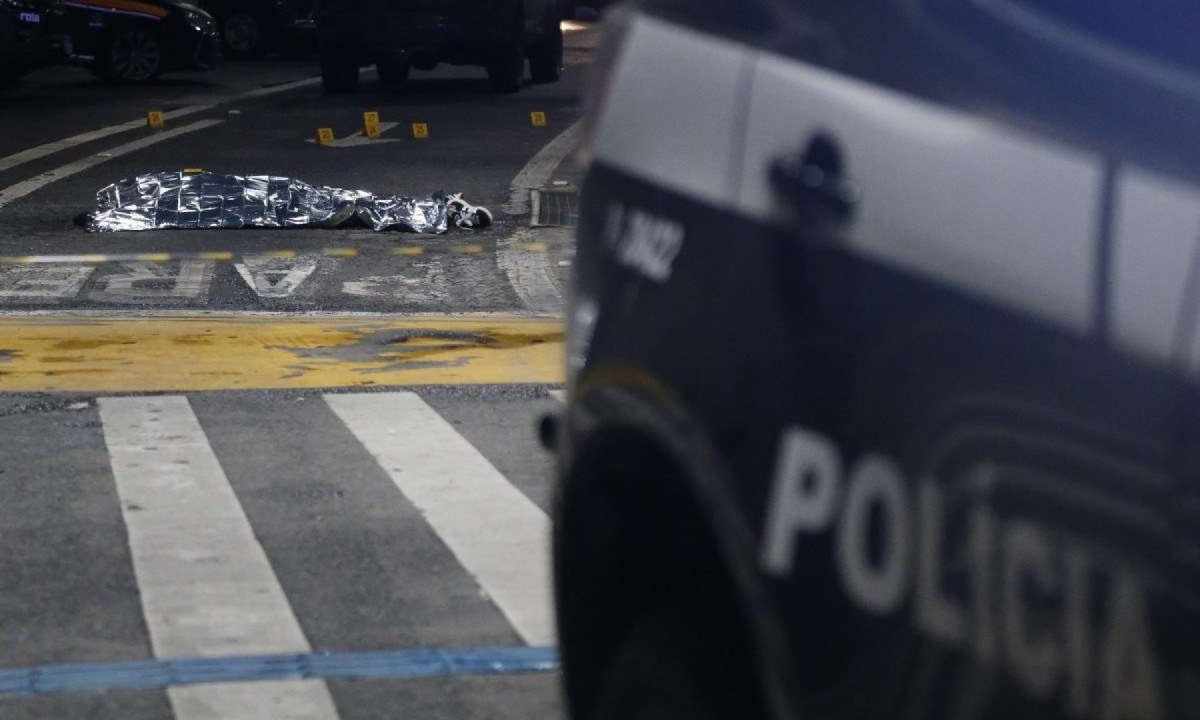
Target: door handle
[813,181]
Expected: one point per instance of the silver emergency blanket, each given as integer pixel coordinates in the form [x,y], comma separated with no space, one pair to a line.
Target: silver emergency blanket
[209,200]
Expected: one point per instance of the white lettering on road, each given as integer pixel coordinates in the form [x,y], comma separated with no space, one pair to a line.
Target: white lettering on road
[276,277]
[155,283]
[39,283]
[422,283]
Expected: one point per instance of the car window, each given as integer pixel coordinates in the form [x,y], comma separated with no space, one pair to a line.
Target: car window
[1162,30]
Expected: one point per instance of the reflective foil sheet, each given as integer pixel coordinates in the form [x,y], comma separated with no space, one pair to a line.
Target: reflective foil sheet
[208,200]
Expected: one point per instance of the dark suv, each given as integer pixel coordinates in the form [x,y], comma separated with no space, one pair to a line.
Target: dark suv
[397,35]
[884,351]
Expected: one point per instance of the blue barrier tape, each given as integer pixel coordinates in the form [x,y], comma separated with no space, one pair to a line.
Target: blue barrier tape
[156,674]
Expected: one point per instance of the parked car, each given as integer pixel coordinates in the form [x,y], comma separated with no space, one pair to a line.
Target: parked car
[250,28]
[401,34]
[883,350]
[27,38]
[136,40]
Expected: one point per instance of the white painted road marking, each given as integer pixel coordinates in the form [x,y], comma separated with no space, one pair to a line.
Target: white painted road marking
[559,395]
[41,151]
[496,532]
[538,170]
[160,283]
[421,283]
[526,273]
[357,139]
[25,187]
[207,588]
[38,283]
[276,277]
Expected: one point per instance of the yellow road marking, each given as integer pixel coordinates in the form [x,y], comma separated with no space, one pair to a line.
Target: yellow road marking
[466,249]
[153,257]
[340,252]
[408,250]
[174,354]
[285,254]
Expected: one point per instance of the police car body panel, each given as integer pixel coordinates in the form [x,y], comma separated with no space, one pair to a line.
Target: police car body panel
[882,348]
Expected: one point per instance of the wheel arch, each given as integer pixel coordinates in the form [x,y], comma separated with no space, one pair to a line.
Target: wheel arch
[644,515]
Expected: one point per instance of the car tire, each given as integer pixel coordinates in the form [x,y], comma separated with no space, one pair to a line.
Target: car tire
[241,34]
[671,664]
[393,73]
[546,56]
[507,69]
[339,71]
[133,54]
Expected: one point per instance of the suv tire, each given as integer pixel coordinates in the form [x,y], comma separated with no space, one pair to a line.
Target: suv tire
[242,35]
[392,73]
[546,55]
[507,69]
[339,70]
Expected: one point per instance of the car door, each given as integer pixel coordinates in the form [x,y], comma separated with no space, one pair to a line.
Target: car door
[960,194]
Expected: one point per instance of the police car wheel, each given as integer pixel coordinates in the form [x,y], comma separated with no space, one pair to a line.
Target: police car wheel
[667,667]
[133,55]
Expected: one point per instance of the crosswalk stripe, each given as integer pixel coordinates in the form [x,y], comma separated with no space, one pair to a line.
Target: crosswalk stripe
[206,585]
[497,534]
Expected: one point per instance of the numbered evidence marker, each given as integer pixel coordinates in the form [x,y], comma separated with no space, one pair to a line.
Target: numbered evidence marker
[325,136]
[420,131]
[538,119]
[371,124]
[154,119]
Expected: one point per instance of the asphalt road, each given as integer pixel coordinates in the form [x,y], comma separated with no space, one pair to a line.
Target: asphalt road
[478,142]
[356,560]
[266,470]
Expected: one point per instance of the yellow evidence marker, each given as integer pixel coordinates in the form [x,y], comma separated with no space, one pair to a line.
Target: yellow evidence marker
[371,124]
[154,119]
[538,118]
[325,136]
[420,131]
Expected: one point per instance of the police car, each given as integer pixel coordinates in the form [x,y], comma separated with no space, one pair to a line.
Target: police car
[883,343]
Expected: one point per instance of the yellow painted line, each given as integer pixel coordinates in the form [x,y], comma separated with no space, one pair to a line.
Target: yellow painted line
[408,250]
[283,254]
[221,255]
[153,257]
[176,354]
[466,249]
[340,252]
[531,246]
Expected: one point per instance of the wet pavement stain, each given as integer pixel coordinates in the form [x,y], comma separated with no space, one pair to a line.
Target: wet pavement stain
[412,349]
[80,344]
